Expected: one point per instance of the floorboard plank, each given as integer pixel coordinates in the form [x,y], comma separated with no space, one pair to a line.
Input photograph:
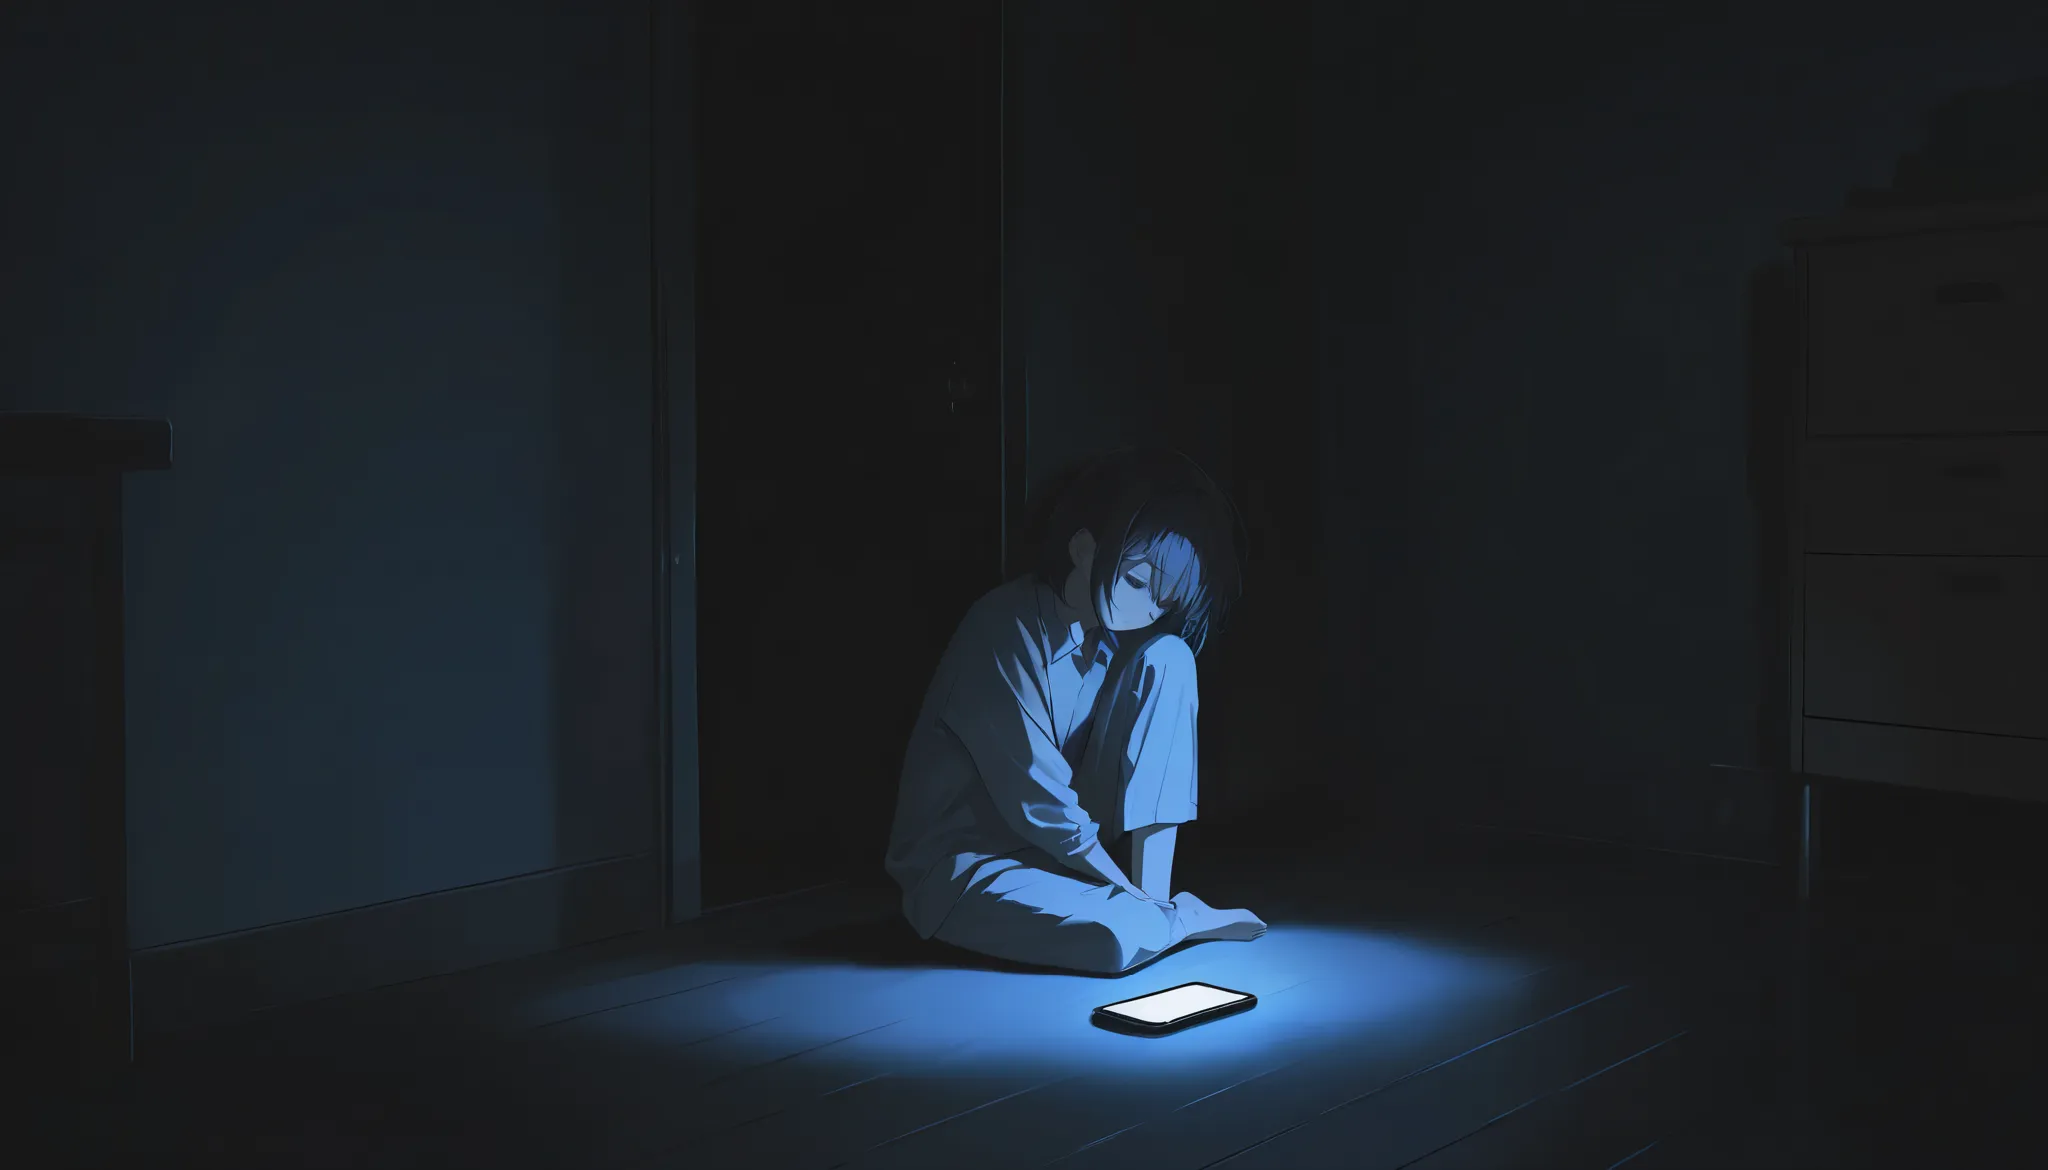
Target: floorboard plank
[1201,1131]
[945,1074]
[1614,1113]
[1029,1130]
[832,1130]
[1408,1012]
[1450,911]
[1292,1022]
[531,991]
[656,1077]
[1393,1126]
[1746,1141]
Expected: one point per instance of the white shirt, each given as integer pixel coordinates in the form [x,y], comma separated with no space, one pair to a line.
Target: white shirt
[989,768]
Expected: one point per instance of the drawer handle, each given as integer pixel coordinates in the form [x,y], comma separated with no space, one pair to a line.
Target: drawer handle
[1990,471]
[1969,292]
[1975,583]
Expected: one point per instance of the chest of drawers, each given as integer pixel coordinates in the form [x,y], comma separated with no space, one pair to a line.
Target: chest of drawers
[1919,509]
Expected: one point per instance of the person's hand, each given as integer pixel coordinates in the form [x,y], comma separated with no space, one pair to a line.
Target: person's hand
[1142,896]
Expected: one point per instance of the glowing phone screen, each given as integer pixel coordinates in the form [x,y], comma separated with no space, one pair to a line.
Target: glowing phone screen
[1174,1004]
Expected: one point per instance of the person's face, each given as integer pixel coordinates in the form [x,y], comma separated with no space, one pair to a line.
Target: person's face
[1130,605]
[1131,601]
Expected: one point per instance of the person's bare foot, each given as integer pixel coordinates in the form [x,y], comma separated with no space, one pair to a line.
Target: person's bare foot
[1205,922]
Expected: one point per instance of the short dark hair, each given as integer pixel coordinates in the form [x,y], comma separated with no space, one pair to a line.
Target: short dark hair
[1154,505]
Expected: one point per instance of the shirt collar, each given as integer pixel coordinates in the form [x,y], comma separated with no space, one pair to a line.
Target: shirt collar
[1066,636]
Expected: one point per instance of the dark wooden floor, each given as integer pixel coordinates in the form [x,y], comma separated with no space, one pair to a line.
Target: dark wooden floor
[1482,1002]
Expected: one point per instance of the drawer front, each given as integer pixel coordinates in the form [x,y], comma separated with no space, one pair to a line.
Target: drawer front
[1952,761]
[1956,643]
[1961,497]
[1934,334]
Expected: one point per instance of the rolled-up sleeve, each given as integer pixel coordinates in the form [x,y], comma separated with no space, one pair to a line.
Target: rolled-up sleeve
[998,710]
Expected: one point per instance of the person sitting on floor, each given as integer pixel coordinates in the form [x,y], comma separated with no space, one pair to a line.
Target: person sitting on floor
[1061,717]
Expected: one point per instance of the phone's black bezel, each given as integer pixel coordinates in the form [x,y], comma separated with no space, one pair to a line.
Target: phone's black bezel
[1104,1018]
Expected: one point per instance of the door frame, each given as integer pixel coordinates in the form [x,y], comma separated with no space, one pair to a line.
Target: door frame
[672,216]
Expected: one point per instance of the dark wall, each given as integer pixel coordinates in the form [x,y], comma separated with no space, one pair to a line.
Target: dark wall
[385,267]
[1544,232]
[1158,285]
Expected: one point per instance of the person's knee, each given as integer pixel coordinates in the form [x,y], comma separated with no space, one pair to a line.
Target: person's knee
[1103,952]
[1114,948]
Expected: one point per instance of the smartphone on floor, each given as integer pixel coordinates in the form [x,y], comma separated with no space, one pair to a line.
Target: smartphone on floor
[1175,1008]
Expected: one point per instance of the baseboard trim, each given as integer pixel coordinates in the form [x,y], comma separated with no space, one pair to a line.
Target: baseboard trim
[214,980]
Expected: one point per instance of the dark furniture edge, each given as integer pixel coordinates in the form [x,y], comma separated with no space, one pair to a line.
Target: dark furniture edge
[70,444]
[1875,222]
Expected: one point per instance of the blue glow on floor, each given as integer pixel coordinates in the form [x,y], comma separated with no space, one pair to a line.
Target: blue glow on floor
[1318,986]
